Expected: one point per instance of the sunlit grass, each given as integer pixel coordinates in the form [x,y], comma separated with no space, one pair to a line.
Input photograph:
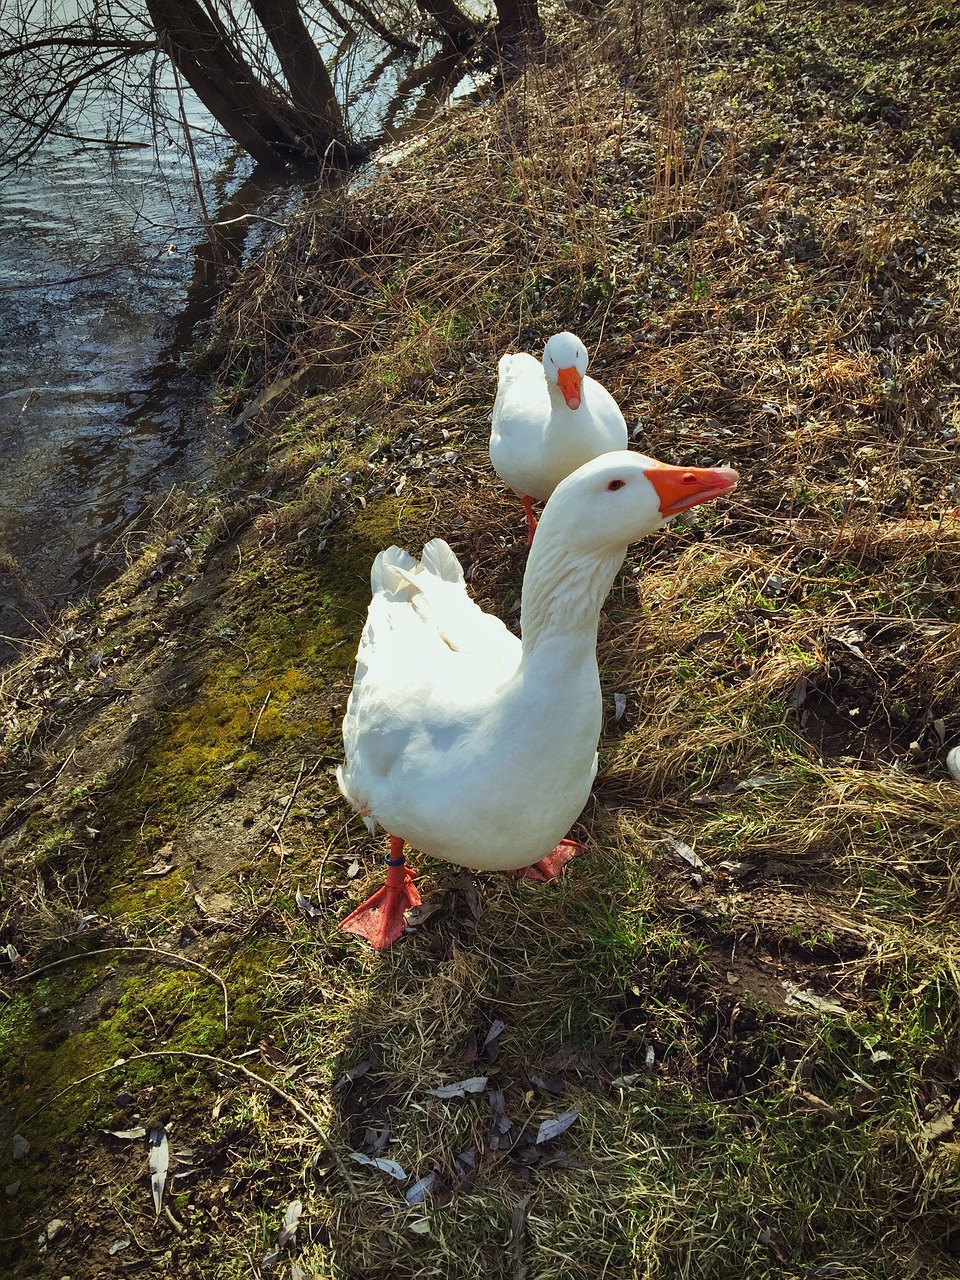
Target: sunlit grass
[747,987]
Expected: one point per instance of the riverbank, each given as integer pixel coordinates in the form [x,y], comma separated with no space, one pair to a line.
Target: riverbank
[747,989]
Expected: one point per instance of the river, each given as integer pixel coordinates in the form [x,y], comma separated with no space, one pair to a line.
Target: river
[103,279]
[97,254]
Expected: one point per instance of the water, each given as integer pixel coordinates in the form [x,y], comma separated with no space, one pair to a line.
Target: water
[105,271]
[97,256]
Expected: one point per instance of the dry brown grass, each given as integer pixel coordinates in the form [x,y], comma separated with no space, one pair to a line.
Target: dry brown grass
[729,208]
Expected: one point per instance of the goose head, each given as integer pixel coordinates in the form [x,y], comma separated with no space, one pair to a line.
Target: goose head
[565,364]
[620,497]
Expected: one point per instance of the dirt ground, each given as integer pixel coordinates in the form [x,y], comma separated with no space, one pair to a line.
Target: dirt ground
[747,989]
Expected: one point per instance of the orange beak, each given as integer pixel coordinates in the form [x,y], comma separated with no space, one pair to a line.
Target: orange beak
[680,488]
[570,384]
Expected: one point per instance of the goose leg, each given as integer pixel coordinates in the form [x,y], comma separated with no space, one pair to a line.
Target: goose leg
[531,518]
[549,868]
[381,918]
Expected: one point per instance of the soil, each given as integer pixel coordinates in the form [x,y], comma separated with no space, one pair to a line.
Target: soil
[167,765]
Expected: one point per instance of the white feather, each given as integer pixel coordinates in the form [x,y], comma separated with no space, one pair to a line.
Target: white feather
[535,439]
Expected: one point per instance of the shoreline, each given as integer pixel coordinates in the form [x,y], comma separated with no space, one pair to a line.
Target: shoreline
[747,990]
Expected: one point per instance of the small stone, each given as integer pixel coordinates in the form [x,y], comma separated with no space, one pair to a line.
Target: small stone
[953,763]
[20,1146]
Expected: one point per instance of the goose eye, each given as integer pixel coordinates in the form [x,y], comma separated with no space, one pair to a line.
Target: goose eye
[614,485]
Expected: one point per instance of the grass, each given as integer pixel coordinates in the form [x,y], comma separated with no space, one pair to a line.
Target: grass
[748,988]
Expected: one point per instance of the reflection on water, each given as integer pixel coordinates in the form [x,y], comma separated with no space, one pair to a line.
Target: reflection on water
[96,262]
[104,273]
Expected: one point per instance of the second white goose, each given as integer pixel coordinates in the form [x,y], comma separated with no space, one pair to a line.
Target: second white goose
[548,419]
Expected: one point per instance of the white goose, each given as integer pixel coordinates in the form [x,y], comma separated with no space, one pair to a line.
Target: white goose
[548,419]
[467,743]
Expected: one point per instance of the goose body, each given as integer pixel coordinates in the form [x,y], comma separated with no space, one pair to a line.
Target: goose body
[549,418]
[444,733]
[466,742]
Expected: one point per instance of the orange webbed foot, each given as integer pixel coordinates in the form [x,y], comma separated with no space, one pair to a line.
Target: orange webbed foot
[381,919]
[550,867]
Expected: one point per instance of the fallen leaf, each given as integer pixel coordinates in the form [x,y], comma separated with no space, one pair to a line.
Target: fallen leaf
[494,1032]
[518,1217]
[736,869]
[467,889]
[798,998]
[422,912]
[290,1220]
[306,906]
[624,1082]
[619,706]
[551,1129]
[159,868]
[475,1084]
[379,1162]
[274,1056]
[687,853]
[421,1227]
[820,1104]
[159,1163]
[761,780]
[126,1135]
[775,1240]
[420,1190]
[554,1085]
[122,1243]
[353,870]
[375,1140]
[937,1128]
[850,638]
[353,1073]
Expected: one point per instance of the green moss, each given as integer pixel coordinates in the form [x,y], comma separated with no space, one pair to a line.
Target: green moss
[45,1083]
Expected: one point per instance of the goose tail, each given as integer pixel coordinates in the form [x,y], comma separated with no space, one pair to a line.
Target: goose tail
[439,560]
[396,571]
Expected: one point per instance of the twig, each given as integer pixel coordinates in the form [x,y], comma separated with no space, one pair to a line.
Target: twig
[291,1102]
[260,717]
[276,826]
[292,796]
[149,951]
[180,1229]
[56,284]
[49,782]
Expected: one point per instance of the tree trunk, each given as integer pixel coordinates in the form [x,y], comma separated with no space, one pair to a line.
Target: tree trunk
[311,88]
[522,15]
[262,123]
[458,27]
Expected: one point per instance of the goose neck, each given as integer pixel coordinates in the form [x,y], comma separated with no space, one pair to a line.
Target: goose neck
[563,591]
